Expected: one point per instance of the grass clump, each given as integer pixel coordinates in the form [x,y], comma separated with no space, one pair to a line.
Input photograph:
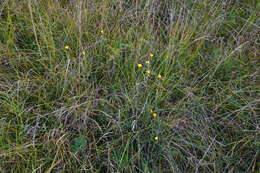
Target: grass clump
[129,86]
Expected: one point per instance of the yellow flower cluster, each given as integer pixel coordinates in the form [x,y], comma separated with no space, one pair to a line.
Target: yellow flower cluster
[148,72]
[159,76]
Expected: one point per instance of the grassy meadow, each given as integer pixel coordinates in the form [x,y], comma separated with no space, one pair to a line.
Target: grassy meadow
[129,86]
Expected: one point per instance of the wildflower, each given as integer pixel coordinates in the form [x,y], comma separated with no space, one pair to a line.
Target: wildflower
[159,76]
[147,62]
[151,55]
[66,47]
[139,65]
[156,138]
[154,114]
[148,72]
[84,53]
[102,31]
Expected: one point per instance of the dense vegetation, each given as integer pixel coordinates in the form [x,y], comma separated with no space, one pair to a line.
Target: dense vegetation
[129,86]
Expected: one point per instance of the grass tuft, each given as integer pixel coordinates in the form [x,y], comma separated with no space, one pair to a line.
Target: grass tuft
[129,86]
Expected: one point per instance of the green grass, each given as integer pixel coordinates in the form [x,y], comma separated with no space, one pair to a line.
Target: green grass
[88,108]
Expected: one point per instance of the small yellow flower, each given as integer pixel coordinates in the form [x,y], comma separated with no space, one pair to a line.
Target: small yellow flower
[102,31]
[147,62]
[148,72]
[66,47]
[151,55]
[139,65]
[154,114]
[156,138]
[84,53]
[159,76]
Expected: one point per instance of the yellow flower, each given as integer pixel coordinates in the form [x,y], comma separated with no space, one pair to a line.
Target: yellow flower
[156,138]
[147,62]
[139,65]
[84,53]
[66,47]
[159,76]
[102,31]
[151,55]
[148,72]
[154,114]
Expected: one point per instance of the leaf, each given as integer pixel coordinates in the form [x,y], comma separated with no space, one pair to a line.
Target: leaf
[78,144]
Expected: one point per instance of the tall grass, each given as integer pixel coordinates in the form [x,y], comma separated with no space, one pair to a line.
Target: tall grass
[73,98]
